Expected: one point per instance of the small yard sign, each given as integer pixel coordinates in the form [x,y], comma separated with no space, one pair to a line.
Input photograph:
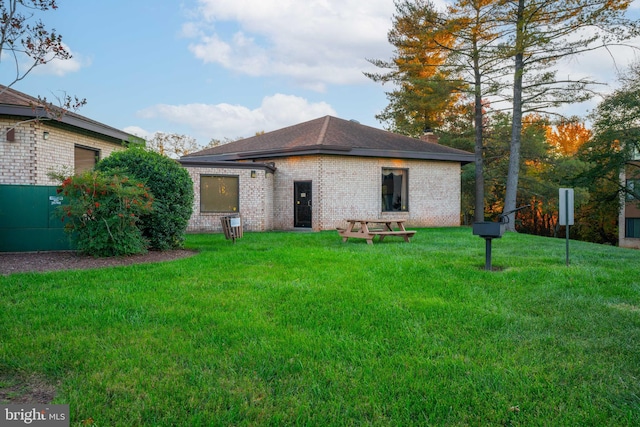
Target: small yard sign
[566,207]
[565,212]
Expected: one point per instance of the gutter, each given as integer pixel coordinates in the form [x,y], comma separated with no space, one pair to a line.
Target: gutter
[68,118]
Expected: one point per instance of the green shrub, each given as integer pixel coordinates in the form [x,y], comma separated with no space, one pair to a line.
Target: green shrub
[171,187]
[103,212]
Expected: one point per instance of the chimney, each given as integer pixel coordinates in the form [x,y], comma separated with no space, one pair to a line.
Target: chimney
[429,136]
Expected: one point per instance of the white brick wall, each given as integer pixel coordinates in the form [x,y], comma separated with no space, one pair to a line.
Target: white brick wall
[256,195]
[343,187]
[29,158]
[350,187]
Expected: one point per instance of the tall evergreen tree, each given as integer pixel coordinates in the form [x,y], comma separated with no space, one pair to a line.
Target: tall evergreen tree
[423,89]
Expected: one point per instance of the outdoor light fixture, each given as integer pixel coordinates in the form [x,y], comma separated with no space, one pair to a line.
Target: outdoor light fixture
[45,135]
[253,174]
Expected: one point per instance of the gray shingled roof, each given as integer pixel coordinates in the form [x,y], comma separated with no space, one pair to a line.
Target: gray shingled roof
[329,135]
[15,103]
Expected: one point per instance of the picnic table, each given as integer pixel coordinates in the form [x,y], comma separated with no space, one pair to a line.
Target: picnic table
[370,228]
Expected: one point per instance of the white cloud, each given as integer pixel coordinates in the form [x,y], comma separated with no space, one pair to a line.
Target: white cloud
[138,131]
[219,121]
[59,67]
[316,42]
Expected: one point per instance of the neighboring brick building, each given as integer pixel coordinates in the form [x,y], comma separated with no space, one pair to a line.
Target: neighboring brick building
[629,221]
[320,173]
[32,144]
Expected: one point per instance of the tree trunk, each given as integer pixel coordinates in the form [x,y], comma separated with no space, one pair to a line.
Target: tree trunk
[479,146]
[511,191]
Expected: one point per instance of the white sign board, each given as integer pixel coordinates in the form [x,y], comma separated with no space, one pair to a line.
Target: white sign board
[235,222]
[565,216]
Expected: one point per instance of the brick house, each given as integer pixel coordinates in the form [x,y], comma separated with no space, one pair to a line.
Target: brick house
[32,144]
[629,220]
[317,174]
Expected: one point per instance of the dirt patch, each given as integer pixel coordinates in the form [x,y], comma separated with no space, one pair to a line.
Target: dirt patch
[69,260]
[31,390]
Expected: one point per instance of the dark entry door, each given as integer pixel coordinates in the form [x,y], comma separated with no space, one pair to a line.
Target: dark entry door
[302,204]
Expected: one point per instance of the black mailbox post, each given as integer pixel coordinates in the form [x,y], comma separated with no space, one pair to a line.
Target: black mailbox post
[492,230]
[488,231]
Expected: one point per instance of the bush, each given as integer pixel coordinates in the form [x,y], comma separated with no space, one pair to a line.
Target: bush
[103,213]
[171,187]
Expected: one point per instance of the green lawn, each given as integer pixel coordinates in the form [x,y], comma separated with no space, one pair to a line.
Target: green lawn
[302,329]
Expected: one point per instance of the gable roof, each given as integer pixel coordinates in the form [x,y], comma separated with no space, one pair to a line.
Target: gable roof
[329,135]
[15,103]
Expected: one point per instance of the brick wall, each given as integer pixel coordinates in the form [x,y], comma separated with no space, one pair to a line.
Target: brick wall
[29,158]
[630,210]
[349,187]
[256,200]
[342,187]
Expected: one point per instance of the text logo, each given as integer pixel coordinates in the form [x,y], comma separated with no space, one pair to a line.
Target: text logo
[34,415]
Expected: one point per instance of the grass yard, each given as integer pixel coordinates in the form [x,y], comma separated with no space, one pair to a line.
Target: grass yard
[302,329]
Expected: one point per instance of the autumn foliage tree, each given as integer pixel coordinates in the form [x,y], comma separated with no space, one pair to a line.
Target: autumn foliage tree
[537,35]
[567,136]
[508,50]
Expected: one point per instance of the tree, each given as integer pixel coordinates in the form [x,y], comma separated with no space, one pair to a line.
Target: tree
[441,59]
[19,38]
[540,33]
[172,145]
[103,212]
[423,90]
[476,29]
[567,136]
[22,39]
[172,189]
[616,140]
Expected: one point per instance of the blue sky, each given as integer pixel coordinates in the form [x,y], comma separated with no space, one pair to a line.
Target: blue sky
[230,68]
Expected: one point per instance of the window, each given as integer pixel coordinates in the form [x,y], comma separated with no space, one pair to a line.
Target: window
[85,158]
[633,185]
[632,228]
[394,190]
[219,193]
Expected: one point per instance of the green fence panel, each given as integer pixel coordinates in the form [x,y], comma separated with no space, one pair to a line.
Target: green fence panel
[28,221]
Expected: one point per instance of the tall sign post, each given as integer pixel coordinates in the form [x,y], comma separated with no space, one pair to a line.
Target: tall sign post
[565,212]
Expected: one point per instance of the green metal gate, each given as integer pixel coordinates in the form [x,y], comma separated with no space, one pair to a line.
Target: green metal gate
[28,221]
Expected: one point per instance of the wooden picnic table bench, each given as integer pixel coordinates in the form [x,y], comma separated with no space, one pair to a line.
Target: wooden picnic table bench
[366,232]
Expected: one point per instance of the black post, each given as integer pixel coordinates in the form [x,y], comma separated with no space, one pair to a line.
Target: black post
[487,261]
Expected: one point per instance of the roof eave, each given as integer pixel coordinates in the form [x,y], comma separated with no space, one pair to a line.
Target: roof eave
[69,119]
[204,162]
[463,158]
